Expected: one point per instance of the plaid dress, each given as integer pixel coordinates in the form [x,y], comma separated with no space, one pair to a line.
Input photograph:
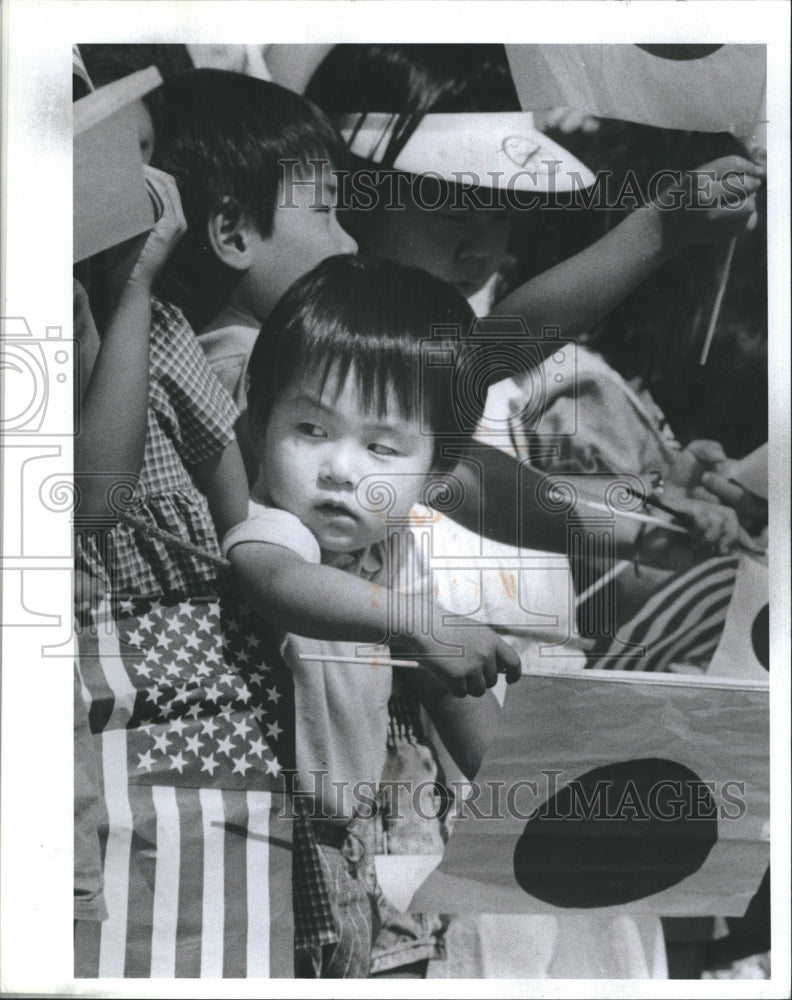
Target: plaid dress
[190,418]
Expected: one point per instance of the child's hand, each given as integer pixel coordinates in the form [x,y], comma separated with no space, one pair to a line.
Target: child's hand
[712,526]
[566,120]
[139,261]
[699,457]
[713,530]
[485,656]
[751,510]
[712,203]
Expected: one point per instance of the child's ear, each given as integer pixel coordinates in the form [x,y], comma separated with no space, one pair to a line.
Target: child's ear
[229,235]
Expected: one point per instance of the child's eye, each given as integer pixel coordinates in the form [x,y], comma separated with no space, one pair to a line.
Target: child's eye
[382,449]
[311,430]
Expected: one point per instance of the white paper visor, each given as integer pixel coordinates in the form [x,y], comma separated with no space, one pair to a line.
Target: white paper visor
[482,149]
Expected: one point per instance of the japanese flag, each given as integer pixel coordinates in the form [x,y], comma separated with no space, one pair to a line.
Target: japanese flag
[706,88]
[614,791]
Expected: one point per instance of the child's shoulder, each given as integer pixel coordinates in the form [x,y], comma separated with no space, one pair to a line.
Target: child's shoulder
[173,340]
[275,527]
[167,318]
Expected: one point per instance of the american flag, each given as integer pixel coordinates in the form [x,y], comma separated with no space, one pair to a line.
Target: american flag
[193,715]
[682,622]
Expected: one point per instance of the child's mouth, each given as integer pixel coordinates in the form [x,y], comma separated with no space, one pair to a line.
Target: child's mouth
[334,510]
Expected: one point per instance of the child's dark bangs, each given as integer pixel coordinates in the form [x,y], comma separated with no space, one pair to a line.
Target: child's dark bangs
[383,371]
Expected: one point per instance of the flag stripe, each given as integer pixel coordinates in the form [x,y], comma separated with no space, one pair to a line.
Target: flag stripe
[166,884]
[142,877]
[97,693]
[213,901]
[124,692]
[87,941]
[281,929]
[688,602]
[679,589]
[682,618]
[258,902]
[234,958]
[188,950]
[691,628]
[662,620]
[112,951]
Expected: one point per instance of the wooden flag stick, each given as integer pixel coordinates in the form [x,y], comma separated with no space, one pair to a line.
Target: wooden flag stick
[361,661]
[632,515]
[718,300]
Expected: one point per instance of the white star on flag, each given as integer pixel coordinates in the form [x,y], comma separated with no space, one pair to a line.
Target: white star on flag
[241,764]
[209,764]
[178,762]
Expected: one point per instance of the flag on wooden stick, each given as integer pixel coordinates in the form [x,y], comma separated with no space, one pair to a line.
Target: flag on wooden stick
[617,791]
[706,88]
[193,716]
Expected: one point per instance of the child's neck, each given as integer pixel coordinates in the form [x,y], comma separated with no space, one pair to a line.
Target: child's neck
[234,314]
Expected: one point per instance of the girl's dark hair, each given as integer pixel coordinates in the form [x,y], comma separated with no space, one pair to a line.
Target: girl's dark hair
[378,320]
[411,81]
[227,138]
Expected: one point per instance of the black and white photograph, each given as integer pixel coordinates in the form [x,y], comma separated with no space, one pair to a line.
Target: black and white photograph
[395,563]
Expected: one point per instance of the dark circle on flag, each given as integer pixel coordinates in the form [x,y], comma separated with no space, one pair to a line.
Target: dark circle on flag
[760,636]
[616,834]
[680,53]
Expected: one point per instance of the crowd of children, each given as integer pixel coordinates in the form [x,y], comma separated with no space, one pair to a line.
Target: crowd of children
[267,390]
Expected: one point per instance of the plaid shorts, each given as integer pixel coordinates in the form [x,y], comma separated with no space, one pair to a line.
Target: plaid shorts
[335,908]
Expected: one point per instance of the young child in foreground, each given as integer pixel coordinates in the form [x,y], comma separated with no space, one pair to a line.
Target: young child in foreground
[344,413]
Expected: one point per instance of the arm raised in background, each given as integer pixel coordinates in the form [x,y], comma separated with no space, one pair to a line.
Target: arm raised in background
[114,406]
[713,203]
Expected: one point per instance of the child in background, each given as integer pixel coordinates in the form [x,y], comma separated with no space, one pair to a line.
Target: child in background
[468,245]
[153,409]
[340,404]
[227,139]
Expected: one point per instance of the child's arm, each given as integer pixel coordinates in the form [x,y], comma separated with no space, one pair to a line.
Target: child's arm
[222,480]
[490,475]
[465,725]
[115,404]
[578,292]
[326,603]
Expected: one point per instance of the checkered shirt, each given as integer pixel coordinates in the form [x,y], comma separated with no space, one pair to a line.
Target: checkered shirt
[314,924]
[190,418]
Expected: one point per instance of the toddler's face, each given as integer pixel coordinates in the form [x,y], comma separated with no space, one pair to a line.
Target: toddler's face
[319,447]
[464,246]
[305,231]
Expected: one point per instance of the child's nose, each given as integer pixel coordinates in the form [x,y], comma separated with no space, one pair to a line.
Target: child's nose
[338,466]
